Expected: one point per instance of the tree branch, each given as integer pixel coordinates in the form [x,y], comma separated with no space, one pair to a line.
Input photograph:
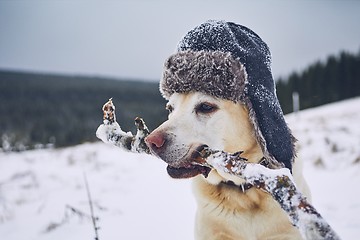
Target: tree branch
[280,185]
[110,132]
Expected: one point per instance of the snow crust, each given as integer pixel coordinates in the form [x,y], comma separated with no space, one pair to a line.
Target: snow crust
[329,146]
[134,197]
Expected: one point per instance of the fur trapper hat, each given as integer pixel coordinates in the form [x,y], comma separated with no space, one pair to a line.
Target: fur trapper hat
[229,61]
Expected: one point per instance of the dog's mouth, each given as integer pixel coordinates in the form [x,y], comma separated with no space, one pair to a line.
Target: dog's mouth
[192,168]
[187,172]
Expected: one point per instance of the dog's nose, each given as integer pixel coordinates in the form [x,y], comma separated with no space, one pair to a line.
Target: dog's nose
[155,141]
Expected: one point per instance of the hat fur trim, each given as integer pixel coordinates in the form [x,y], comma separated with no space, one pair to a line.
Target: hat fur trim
[212,72]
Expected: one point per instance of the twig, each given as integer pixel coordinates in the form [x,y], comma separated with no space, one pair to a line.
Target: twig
[68,213]
[93,218]
[279,184]
[111,132]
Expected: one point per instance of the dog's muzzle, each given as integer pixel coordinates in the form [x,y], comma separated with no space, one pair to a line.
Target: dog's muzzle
[182,162]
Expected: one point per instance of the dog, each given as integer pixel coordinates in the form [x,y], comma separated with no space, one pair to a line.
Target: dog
[224,210]
[221,94]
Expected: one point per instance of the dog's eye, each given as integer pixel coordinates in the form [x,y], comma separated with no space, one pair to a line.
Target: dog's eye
[205,108]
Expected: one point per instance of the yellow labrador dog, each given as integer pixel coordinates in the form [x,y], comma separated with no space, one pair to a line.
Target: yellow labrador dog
[225,211]
[220,93]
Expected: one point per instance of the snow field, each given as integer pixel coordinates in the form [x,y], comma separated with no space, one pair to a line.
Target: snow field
[43,195]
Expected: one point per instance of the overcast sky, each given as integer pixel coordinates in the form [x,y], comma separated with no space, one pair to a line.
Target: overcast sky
[133,38]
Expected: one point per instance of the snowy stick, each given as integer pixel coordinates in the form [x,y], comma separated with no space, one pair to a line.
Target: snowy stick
[111,132]
[277,182]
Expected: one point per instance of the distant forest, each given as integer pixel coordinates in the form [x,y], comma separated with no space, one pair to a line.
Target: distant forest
[335,79]
[40,110]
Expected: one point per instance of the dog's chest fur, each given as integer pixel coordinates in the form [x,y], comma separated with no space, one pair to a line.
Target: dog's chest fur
[225,212]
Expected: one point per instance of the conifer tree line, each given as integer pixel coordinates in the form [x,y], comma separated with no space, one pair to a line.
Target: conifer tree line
[55,110]
[335,79]
[41,109]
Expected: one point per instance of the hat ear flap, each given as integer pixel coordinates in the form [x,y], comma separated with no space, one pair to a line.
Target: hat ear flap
[272,132]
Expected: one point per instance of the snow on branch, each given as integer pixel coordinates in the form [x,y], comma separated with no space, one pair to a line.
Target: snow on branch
[280,185]
[111,132]
[277,182]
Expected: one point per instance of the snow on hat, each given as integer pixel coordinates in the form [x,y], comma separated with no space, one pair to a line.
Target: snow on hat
[229,61]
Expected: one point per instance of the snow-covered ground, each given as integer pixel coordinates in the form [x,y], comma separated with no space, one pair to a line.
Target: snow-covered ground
[43,193]
[329,145]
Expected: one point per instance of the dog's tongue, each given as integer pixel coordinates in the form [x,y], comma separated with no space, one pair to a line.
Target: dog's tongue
[187,172]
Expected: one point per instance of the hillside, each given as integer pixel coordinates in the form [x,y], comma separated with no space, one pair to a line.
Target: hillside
[42,192]
[46,110]
[37,109]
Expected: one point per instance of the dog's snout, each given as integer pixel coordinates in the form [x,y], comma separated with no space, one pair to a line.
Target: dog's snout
[155,141]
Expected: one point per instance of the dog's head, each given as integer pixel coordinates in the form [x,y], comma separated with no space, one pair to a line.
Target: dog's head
[221,93]
[197,119]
